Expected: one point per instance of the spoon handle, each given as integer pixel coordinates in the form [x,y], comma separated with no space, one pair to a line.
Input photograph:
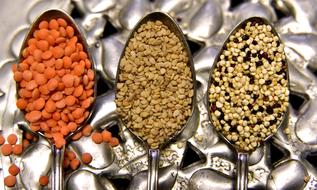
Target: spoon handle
[57,169]
[152,179]
[242,171]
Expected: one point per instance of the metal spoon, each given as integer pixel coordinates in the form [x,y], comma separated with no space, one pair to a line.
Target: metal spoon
[242,162]
[154,154]
[58,154]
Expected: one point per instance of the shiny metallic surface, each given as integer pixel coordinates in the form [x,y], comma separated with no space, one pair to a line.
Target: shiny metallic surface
[206,21]
[214,165]
[43,156]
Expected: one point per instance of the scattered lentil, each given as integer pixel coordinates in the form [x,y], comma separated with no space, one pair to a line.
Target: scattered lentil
[17,149]
[44,180]
[96,137]
[86,158]
[87,130]
[6,149]
[74,164]
[14,170]
[10,181]
[114,141]
[106,136]
[12,139]
[2,140]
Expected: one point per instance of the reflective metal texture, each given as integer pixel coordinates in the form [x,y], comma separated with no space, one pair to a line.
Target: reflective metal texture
[198,159]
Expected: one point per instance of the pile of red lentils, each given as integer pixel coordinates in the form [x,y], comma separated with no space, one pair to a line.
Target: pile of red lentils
[55,80]
[249,92]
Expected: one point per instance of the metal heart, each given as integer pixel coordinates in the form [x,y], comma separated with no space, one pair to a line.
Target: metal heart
[102,153]
[303,11]
[133,12]
[104,111]
[290,25]
[300,79]
[253,9]
[8,98]
[207,179]
[305,45]
[204,59]
[175,6]
[42,6]
[93,25]
[206,21]
[36,162]
[306,124]
[112,49]
[83,180]
[17,41]
[288,175]
[99,5]
[167,177]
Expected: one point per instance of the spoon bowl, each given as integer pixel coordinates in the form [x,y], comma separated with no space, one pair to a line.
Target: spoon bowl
[260,58]
[58,153]
[153,153]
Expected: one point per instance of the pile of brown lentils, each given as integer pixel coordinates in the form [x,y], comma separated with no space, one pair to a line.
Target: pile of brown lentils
[155,87]
[249,92]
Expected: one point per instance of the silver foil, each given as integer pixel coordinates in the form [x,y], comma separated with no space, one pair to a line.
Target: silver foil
[207,23]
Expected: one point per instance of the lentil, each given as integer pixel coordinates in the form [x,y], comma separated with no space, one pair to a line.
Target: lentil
[155,87]
[12,139]
[86,158]
[44,180]
[14,170]
[6,149]
[10,181]
[2,140]
[50,79]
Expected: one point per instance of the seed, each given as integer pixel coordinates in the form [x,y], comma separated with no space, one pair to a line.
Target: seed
[2,140]
[44,180]
[114,141]
[86,158]
[10,181]
[6,149]
[52,93]
[12,139]
[248,83]
[245,37]
[164,74]
[97,137]
[14,170]
[106,136]
[87,130]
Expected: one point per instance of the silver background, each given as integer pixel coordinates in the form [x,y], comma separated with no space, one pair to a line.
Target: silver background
[206,22]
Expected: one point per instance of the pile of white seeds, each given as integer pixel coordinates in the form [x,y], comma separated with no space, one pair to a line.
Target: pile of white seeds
[155,87]
[249,92]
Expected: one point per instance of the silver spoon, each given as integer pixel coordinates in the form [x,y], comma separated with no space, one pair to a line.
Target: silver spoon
[242,162]
[154,154]
[58,154]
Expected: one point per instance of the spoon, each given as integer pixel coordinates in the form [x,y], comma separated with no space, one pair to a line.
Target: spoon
[154,152]
[247,107]
[58,154]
